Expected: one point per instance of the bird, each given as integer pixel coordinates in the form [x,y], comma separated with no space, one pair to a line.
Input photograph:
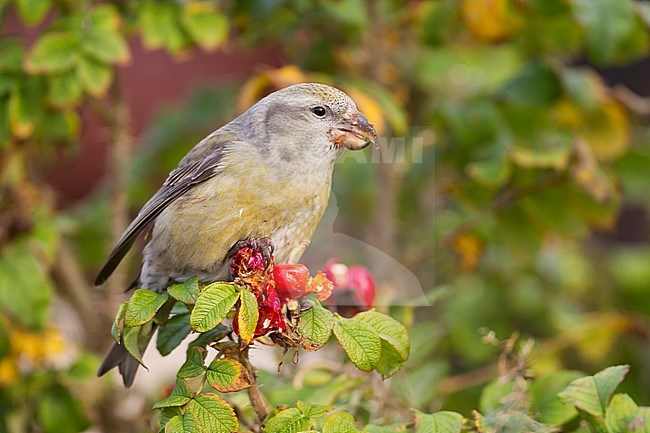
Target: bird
[266,175]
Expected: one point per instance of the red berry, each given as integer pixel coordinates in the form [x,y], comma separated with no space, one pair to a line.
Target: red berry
[291,280]
[270,314]
[361,281]
[336,272]
[248,260]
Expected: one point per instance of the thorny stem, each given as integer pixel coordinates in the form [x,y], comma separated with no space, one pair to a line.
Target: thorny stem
[254,393]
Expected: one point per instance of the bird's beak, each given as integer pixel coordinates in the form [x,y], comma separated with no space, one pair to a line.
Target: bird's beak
[354,132]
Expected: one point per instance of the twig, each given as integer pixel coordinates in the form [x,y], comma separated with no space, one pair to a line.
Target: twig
[254,393]
[638,105]
[470,379]
[242,418]
[75,286]
[121,144]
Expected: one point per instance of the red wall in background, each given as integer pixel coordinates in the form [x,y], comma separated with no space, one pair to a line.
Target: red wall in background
[151,80]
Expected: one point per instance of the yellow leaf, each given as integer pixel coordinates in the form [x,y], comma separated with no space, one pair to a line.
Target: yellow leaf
[370,108]
[606,128]
[37,347]
[489,20]
[286,76]
[251,91]
[608,131]
[8,371]
[599,333]
[267,82]
[568,115]
[469,249]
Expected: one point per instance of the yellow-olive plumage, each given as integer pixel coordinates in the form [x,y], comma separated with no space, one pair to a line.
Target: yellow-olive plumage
[266,174]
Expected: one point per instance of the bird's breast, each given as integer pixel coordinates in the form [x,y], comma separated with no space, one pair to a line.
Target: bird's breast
[194,233]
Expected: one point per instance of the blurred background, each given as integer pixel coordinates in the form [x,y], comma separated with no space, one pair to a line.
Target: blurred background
[509,195]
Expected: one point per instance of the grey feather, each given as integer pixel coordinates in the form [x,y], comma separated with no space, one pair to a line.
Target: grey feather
[200,164]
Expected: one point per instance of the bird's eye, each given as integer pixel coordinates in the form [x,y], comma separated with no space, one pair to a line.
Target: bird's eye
[319,111]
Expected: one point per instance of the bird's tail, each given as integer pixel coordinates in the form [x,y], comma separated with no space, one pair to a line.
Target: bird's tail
[118,356]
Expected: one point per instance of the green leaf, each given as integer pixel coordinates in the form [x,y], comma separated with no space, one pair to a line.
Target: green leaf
[347,12]
[106,46]
[105,17]
[179,396]
[160,27]
[94,76]
[116,329]
[173,333]
[228,375]
[360,341]
[609,25]
[340,422]
[213,414]
[536,85]
[205,24]
[142,306]
[493,395]
[212,306]
[491,173]
[177,424]
[25,289]
[163,314]
[167,414]
[620,413]
[592,393]
[136,339]
[5,345]
[315,327]
[543,393]
[26,107]
[5,134]
[11,56]
[194,365]
[388,329]
[391,360]
[583,87]
[211,336]
[287,421]
[248,315]
[392,428]
[53,52]
[64,90]
[439,422]
[643,10]
[187,292]
[641,421]
[59,412]
[313,410]
[155,17]
[32,12]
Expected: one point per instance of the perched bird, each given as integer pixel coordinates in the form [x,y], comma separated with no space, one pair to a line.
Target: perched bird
[265,175]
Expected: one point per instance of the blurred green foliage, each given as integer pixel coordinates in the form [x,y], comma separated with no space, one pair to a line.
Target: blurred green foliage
[527,159]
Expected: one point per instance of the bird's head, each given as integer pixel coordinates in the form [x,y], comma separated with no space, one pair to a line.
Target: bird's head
[314,119]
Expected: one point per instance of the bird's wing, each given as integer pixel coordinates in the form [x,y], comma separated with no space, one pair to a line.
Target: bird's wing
[200,164]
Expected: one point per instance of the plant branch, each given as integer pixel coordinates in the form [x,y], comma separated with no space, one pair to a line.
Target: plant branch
[254,394]
[242,418]
[121,145]
[75,287]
